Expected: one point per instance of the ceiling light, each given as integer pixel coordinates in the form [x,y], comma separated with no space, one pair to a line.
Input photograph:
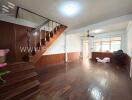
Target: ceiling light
[5,10]
[70,8]
[11,4]
[12,7]
[5,7]
[97,31]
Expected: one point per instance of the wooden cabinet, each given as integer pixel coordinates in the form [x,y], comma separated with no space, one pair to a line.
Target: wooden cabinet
[101,55]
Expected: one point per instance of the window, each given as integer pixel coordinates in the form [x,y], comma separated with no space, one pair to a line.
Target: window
[97,45]
[115,43]
[107,44]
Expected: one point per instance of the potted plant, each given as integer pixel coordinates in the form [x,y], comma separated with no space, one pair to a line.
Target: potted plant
[3,64]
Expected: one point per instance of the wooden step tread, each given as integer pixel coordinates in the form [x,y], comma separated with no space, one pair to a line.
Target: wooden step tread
[31,96]
[12,93]
[26,94]
[17,63]
[16,66]
[15,69]
[17,85]
[18,79]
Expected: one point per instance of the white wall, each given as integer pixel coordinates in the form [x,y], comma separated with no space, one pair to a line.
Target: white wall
[129,39]
[57,47]
[72,44]
[129,44]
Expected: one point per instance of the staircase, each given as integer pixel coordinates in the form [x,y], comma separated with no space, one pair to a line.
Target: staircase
[21,83]
[44,39]
[35,32]
[40,38]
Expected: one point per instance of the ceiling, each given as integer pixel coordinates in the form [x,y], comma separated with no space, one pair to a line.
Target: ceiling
[112,27]
[91,12]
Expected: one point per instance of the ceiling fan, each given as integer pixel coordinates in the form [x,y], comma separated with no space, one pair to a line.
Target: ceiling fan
[89,35]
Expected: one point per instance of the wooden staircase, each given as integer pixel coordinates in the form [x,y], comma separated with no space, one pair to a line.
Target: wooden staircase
[40,39]
[20,36]
[21,84]
[46,41]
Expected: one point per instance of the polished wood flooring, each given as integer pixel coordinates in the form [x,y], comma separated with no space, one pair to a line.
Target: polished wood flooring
[84,80]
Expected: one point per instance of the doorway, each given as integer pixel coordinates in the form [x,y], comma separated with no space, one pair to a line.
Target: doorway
[85,49]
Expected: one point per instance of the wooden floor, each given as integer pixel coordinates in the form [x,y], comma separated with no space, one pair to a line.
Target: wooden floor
[84,80]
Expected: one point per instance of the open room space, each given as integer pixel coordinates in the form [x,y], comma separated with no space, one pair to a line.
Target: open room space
[65,50]
[84,80]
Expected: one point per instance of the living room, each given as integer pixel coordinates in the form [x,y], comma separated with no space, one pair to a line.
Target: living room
[65,50]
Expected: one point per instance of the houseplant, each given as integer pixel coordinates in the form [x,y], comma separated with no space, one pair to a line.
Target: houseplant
[3,64]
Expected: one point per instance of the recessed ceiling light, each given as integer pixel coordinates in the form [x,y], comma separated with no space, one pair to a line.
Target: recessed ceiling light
[70,8]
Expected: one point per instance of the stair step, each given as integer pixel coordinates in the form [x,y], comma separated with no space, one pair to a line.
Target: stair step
[31,96]
[13,82]
[10,75]
[17,91]
[19,68]
[17,65]
[17,85]
[27,94]
[21,82]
